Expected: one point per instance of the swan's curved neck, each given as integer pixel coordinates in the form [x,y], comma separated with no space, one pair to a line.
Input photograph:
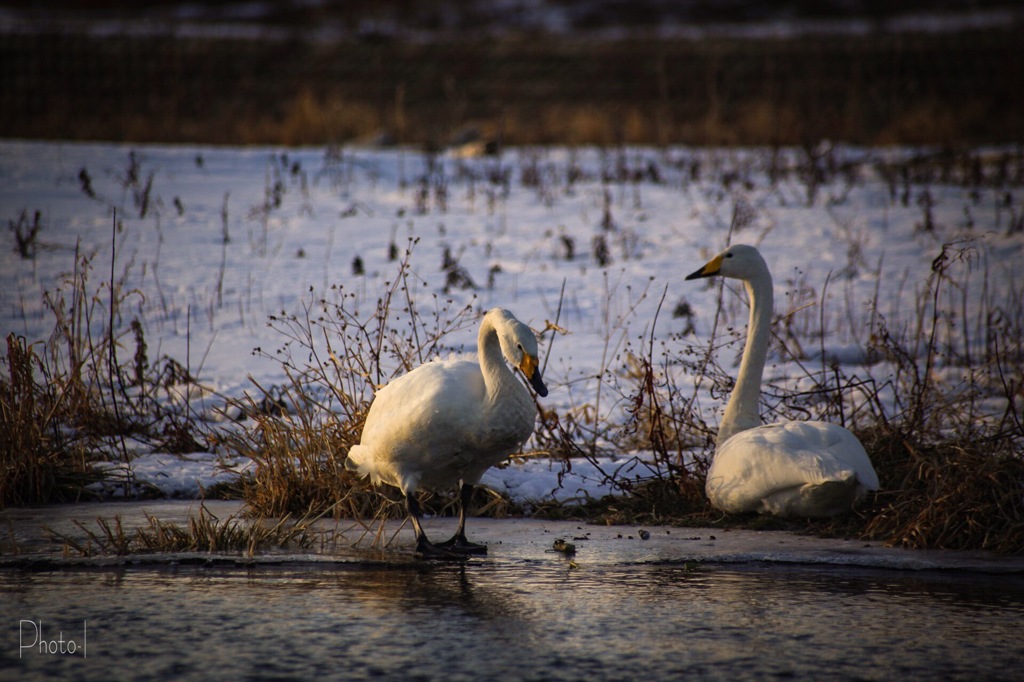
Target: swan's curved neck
[743,410]
[492,361]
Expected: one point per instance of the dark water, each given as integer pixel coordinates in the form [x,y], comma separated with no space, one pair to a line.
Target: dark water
[515,620]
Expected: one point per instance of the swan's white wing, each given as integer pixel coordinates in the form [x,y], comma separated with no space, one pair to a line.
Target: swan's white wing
[791,469]
[419,404]
[416,418]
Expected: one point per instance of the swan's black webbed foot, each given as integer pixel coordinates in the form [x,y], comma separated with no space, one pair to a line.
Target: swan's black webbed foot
[460,545]
[458,542]
[428,550]
[424,547]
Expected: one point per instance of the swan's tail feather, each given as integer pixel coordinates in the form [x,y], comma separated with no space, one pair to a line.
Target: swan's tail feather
[359,456]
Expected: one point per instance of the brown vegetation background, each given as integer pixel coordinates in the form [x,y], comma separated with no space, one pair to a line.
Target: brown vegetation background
[883,88]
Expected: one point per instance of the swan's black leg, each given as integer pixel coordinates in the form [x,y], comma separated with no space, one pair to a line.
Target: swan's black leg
[458,542]
[425,547]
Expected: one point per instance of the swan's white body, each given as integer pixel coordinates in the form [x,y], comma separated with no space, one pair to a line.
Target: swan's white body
[437,425]
[448,421]
[808,469]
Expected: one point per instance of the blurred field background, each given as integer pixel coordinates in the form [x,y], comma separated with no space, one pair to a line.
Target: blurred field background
[435,72]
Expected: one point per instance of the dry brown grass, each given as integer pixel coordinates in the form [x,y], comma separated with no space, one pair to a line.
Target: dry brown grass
[39,462]
[204,532]
[300,460]
[967,495]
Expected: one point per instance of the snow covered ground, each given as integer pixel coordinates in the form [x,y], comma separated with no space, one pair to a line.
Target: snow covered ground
[212,241]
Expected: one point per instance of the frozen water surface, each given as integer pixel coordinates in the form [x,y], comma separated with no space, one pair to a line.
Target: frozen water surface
[517,619]
[685,603]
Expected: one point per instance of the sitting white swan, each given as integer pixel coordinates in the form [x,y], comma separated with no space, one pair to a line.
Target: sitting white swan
[448,421]
[806,469]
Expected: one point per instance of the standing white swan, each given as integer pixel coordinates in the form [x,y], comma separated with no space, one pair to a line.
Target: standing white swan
[805,469]
[448,421]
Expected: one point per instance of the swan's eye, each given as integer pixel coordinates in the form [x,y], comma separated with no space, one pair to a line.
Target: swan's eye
[728,255]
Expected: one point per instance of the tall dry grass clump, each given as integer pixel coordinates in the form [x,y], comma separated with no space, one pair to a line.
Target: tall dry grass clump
[299,449]
[954,495]
[950,463]
[84,393]
[39,462]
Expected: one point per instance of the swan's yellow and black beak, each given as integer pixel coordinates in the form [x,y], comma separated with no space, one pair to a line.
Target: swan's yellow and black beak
[710,269]
[531,369]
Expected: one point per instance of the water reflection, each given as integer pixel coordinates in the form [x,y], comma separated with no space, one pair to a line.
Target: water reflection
[529,620]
